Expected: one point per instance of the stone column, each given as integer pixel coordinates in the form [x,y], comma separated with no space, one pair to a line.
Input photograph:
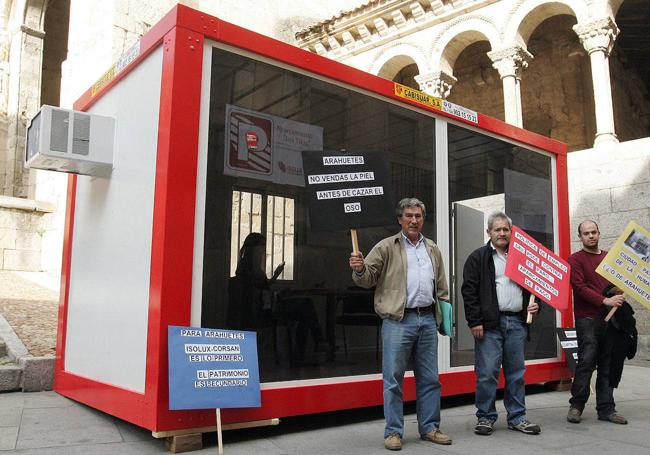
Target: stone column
[4,69]
[510,63]
[598,39]
[4,88]
[437,83]
[23,101]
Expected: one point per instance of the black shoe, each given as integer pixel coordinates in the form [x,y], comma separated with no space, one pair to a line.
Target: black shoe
[614,418]
[526,427]
[484,427]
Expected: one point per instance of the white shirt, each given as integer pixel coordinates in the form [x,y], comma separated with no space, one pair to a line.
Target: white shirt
[508,292]
[419,274]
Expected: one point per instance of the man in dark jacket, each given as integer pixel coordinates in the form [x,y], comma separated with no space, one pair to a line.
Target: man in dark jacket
[495,309]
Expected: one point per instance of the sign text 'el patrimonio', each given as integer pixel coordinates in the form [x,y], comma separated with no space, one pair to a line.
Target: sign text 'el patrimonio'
[211,368]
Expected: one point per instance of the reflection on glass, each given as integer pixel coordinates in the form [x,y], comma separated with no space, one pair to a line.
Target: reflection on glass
[246,218]
[314,323]
[485,175]
[279,228]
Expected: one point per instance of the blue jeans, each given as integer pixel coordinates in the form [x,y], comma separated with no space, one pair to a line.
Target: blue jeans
[415,335]
[504,345]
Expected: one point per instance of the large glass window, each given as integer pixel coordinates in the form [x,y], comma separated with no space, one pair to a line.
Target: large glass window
[485,175]
[311,322]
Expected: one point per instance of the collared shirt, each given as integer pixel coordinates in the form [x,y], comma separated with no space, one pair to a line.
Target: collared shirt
[419,274]
[508,292]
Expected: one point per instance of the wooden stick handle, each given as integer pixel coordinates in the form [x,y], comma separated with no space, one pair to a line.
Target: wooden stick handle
[529,317]
[611,313]
[219,439]
[355,240]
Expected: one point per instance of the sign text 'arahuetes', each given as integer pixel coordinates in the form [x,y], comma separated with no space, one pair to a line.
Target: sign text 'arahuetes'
[348,190]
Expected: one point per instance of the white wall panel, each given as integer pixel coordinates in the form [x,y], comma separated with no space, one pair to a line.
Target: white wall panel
[111,244]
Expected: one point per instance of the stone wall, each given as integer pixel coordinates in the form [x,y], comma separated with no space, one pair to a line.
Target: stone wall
[556,89]
[479,85]
[4,124]
[22,225]
[612,187]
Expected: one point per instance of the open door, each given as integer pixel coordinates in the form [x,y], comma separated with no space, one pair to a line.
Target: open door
[468,226]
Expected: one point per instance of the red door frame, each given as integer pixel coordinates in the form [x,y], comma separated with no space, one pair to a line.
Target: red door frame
[182,33]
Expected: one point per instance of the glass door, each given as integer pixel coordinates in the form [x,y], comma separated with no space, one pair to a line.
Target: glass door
[486,174]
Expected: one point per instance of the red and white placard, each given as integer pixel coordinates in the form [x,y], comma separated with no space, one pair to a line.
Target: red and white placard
[538,269]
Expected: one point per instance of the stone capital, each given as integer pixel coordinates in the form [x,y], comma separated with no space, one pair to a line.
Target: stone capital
[437,83]
[597,36]
[510,61]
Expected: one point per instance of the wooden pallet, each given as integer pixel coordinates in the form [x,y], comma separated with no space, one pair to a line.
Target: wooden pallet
[190,439]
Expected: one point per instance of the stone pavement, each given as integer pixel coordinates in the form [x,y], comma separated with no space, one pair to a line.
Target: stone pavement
[28,321]
[44,423]
[29,303]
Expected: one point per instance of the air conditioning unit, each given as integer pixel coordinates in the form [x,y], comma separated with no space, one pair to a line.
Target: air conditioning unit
[70,141]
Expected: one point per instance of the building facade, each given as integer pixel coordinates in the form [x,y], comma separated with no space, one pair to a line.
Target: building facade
[575,70]
[51,51]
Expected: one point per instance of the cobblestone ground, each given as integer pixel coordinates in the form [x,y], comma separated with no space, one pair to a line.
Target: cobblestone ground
[31,310]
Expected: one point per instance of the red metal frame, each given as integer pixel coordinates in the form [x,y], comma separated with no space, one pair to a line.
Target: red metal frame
[182,33]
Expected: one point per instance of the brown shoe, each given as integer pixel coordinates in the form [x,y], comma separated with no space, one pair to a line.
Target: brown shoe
[614,418]
[436,436]
[574,415]
[393,442]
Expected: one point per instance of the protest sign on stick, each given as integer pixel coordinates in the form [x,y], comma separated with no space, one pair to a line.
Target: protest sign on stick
[348,190]
[627,265]
[537,269]
[212,369]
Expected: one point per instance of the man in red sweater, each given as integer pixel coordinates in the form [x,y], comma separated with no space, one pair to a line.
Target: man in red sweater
[590,308]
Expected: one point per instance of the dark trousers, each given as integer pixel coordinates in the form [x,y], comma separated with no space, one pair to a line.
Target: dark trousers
[594,351]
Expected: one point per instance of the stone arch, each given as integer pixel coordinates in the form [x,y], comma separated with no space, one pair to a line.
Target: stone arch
[461,33]
[527,15]
[629,65]
[556,89]
[389,62]
[30,13]
[55,50]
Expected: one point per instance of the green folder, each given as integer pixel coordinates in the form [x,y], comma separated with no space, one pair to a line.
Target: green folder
[447,324]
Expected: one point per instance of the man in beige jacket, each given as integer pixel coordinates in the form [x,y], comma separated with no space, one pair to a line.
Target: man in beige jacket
[409,276]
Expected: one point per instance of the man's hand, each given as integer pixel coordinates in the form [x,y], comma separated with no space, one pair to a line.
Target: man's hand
[614,301]
[533,308]
[477,331]
[356,262]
